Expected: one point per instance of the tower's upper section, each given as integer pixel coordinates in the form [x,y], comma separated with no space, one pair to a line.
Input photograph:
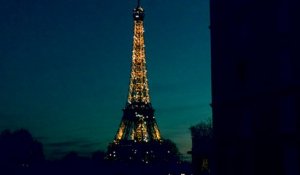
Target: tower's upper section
[138,12]
[138,121]
[138,87]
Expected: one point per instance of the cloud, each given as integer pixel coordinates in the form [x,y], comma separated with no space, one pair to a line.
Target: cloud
[41,138]
[71,144]
[65,143]
[59,149]
[183,108]
[90,145]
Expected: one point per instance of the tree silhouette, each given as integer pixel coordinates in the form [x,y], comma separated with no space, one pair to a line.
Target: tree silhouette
[202,130]
[19,148]
[98,156]
[172,152]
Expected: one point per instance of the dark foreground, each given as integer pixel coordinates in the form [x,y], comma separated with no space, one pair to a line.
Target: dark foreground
[89,167]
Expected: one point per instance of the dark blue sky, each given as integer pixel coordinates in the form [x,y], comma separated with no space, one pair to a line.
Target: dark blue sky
[65,64]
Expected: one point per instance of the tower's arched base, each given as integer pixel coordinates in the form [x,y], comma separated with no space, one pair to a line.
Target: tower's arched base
[143,152]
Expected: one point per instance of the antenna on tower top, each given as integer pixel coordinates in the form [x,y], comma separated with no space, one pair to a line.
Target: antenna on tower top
[139,2]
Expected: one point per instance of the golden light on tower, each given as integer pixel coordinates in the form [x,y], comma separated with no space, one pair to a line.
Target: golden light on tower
[138,88]
[138,122]
[138,136]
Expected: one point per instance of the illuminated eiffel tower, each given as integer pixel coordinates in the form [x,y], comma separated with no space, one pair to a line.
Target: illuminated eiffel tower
[138,137]
[138,122]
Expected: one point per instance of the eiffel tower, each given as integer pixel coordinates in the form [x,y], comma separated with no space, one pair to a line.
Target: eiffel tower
[138,137]
[138,122]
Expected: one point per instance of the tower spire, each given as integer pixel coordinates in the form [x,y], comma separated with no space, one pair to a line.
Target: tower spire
[139,3]
[138,12]
[138,88]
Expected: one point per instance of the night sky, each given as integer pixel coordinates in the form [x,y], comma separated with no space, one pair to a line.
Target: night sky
[65,65]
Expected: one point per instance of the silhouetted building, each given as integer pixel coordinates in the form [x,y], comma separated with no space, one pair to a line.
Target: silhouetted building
[201,148]
[255,86]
